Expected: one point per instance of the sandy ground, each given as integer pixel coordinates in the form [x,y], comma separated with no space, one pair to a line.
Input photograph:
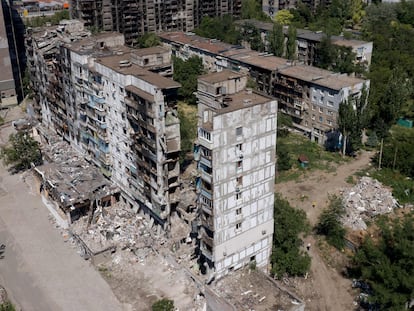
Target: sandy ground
[325,289]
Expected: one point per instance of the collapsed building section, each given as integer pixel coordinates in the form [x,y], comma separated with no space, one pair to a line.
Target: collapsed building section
[236,164]
[113,104]
[76,187]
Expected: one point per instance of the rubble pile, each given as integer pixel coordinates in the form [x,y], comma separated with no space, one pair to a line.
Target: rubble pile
[365,200]
[115,225]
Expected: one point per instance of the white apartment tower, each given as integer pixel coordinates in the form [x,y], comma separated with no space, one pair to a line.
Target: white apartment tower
[235,152]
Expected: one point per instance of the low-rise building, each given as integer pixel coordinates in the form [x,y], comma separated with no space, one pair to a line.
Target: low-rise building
[310,95]
[236,164]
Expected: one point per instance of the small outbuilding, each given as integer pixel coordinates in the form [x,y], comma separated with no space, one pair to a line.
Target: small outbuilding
[303,161]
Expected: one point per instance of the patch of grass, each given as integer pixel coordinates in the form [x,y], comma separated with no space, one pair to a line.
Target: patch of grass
[350,180]
[104,271]
[288,176]
[319,159]
[402,186]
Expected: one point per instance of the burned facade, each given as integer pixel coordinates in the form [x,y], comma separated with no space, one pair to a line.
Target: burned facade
[135,18]
[235,152]
[310,95]
[114,105]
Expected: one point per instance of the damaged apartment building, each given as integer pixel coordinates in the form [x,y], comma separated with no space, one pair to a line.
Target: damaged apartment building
[113,104]
[235,152]
[135,18]
[310,95]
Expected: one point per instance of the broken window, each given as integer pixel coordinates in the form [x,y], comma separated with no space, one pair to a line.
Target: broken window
[238,226]
[239,211]
[239,131]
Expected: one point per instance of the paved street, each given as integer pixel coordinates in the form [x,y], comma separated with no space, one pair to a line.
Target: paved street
[40,271]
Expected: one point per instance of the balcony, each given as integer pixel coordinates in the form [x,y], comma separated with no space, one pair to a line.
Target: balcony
[207,193]
[206,176]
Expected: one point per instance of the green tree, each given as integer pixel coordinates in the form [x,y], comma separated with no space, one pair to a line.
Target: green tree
[148,40]
[284,17]
[326,53]
[221,28]
[21,152]
[398,151]
[283,158]
[252,9]
[287,256]
[291,43]
[40,21]
[186,73]
[277,40]
[352,119]
[387,263]
[252,35]
[7,306]
[163,305]
[188,128]
[329,223]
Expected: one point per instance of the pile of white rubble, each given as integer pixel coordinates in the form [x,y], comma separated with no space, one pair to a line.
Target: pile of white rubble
[366,200]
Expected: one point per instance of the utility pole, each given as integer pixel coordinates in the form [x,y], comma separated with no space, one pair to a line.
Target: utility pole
[380,156]
[395,158]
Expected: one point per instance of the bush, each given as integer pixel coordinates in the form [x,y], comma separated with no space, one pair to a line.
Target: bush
[330,225]
[287,257]
[163,305]
[22,152]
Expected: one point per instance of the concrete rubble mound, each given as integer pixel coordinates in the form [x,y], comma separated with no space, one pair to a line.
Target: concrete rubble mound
[115,226]
[366,200]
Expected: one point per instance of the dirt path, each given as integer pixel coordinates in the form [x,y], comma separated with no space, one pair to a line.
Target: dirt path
[326,289]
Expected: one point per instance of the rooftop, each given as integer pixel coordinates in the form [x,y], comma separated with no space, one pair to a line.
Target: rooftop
[122,64]
[220,76]
[243,99]
[150,51]
[236,52]
[321,77]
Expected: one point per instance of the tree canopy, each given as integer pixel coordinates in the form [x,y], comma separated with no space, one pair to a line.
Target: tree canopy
[387,263]
[148,40]
[277,40]
[163,305]
[287,256]
[186,73]
[21,152]
[329,223]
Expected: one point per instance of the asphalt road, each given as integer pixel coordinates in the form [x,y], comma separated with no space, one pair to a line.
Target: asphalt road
[40,271]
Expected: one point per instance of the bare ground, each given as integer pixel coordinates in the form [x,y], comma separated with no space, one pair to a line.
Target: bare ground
[325,288]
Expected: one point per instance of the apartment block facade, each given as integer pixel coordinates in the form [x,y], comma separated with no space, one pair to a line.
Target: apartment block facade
[105,100]
[236,163]
[310,95]
[134,18]
[8,90]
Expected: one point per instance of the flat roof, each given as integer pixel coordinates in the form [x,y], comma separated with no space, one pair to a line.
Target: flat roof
[149,51]
[261,60]
[321,77]
[113,62]
[244,99]
[89,44]
[220,76]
